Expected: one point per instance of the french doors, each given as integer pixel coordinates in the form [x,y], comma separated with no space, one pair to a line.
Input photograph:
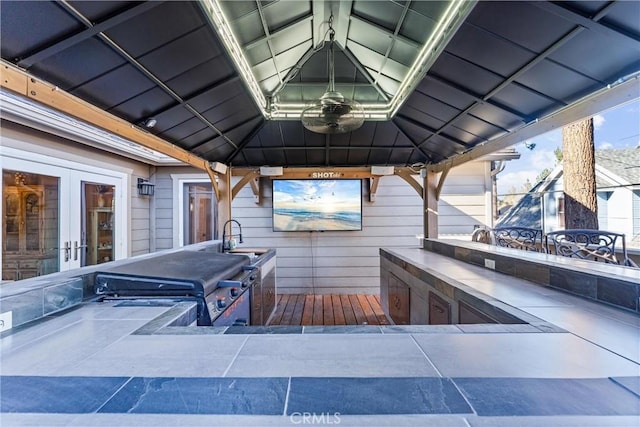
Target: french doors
[56,217]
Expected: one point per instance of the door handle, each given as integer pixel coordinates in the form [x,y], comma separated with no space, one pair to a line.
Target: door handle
[76,247]
[67,251]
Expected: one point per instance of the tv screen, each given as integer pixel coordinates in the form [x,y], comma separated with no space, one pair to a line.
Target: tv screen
[317,204]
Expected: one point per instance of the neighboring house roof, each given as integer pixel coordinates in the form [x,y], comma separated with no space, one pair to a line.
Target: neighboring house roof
[525,213]
[613,168]
[623,163]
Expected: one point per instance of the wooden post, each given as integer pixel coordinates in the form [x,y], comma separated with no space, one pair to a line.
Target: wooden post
[224,200]
[430,203]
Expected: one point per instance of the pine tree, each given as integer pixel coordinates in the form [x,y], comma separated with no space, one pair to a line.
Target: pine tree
[578,165]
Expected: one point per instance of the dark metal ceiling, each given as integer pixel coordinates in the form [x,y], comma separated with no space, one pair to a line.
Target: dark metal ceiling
[508,64]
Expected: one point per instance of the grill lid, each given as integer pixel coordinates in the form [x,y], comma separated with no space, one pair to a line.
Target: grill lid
[178,273]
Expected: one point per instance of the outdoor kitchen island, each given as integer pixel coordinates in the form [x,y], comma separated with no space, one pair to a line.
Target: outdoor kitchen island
[571,362]
[451,281]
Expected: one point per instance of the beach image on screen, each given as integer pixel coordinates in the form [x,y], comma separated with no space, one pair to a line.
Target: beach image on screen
[317,205]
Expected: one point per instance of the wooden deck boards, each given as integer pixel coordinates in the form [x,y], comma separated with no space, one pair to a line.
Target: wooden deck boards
[328,310]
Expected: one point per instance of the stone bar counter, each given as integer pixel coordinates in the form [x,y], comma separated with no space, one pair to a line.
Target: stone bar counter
[611,284]
[476,286]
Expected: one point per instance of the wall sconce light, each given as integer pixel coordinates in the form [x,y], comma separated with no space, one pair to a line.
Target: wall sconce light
[145,188]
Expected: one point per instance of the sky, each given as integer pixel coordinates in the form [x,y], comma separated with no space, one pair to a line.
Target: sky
[618,127]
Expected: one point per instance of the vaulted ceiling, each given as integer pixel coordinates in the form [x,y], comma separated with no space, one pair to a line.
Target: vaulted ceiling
[492,74]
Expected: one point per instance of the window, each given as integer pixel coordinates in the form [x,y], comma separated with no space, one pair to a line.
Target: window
[199,212]
[29,224]
[194,212]
[603,209]
[560,211]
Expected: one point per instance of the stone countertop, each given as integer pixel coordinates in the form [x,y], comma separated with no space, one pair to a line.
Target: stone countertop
[28,300]
[607,283]
[579,265]
[615,329]
[99,364]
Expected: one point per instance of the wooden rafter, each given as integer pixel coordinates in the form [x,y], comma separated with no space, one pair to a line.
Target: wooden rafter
[407,175]
[248,177]
[20,82]
[441,180]
[373,187]
[255,187]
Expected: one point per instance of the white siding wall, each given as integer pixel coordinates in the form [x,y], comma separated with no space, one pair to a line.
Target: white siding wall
[554,194]
[465,200]
[635,239]
[334,262]
[603,209]
[307,262]
[163,200]
[620,218]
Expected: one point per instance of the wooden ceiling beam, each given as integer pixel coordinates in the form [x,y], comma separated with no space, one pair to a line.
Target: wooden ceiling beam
[321,172]
[19,81]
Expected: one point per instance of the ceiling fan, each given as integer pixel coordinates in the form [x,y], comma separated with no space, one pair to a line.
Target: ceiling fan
[332,112]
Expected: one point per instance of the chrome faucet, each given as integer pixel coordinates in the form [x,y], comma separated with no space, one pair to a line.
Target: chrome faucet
[226,246]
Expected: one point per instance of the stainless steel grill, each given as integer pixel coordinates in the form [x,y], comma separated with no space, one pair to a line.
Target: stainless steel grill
[219,283]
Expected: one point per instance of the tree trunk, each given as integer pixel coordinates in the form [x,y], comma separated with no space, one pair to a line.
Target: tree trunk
[579,171]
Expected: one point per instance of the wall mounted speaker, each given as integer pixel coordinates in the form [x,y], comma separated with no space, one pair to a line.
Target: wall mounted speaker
[271,170]
[218,167]
[382,170]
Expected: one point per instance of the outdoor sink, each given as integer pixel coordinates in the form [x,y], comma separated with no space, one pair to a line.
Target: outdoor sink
[252,253]
[257,251]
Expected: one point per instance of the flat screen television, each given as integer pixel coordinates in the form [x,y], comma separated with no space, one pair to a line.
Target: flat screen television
[317,204]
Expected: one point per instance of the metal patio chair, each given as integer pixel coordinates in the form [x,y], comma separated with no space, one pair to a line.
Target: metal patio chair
[482,235]
[528,239]
[595,245]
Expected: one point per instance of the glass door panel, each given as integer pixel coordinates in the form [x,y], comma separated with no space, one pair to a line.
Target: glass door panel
[98,225]
[199,213]
[30,224]
[96,232]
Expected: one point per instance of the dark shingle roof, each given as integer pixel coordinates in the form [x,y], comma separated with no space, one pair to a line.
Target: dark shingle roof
[623,162]
[525,213]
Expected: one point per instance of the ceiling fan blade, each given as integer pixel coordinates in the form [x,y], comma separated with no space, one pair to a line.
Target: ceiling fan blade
[327,123]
